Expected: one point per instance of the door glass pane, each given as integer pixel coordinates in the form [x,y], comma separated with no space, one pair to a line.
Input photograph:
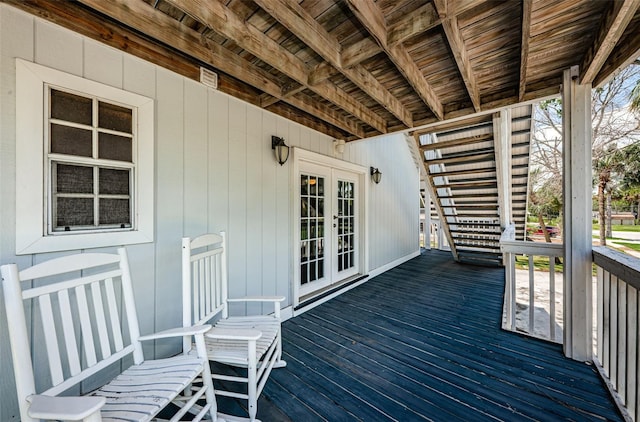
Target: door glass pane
[346,225]
[311,228]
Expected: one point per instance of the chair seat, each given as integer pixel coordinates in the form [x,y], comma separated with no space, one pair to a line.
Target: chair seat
[140,392]
[235,352]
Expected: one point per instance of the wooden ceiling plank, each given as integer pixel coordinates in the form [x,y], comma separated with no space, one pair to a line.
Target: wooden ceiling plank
[371,16]
[217,17]
[614,23]
[413,24]
[524,47]
[141,16]
[290,14]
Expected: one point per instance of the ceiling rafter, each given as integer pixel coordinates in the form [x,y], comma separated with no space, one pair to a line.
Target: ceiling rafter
[139,16]
[413,24]
[459,51]
[370,15]
[225,22]
[524,47]
[304,26]
[613,26]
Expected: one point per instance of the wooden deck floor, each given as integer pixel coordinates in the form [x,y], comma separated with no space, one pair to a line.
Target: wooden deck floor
[423,342]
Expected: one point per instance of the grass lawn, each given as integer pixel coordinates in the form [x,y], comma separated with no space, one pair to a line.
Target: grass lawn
[634,246]
[540,263]
[620,228]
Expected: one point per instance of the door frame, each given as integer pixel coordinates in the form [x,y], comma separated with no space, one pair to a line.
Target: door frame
[299,156]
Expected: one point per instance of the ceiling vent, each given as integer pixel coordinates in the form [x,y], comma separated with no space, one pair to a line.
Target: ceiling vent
[208,78]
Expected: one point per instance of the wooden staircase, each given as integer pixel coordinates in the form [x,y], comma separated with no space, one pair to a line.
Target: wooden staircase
[467,181]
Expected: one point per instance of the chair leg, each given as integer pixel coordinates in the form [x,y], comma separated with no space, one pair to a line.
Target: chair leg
[252,382]
[279,363]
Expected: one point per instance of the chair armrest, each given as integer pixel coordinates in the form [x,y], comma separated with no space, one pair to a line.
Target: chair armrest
[64,408]
[178,332]
[229,334]
[257,299]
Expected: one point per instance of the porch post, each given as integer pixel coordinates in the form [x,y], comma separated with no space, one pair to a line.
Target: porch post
[577,132]
[502,142]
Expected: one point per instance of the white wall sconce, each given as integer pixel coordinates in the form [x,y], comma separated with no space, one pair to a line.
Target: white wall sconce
[338,146]
[280,149]
[375,175]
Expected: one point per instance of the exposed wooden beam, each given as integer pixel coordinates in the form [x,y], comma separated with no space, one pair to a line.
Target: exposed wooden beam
[290,14]
[222,20]
[372,18]
[413,24]
[141,16]
[524,47]
[459,51]
[358,52]
[613,25]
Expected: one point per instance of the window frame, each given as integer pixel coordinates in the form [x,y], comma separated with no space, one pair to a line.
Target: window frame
[33,185]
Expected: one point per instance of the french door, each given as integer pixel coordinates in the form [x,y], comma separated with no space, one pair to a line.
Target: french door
[328,227]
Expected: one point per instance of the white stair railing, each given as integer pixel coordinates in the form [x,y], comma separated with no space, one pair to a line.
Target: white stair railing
[530,307]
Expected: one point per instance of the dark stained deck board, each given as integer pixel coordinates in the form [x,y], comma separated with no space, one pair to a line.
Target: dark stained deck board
[423,342]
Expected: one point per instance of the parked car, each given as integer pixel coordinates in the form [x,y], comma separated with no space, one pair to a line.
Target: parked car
[553,231]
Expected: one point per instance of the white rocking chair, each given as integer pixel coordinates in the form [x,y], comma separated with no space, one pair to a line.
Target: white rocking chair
[251,342]
[77,301]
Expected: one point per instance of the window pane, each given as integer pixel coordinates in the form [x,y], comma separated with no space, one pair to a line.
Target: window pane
[73,179]
[115,211]
[114,147]
[70,107]
[71,141]
[113,117]
[113,182]
[74,212]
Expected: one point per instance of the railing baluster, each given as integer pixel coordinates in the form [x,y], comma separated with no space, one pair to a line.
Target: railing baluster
[532,296]
[606,326]
[613,331]
[622,338]
[552,298]
[632,349]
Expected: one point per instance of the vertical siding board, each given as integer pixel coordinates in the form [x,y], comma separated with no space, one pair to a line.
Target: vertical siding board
[58,48]
[269,170]
[169,213]
[237,256]
[195,160]
[103,64]
[218,161]
[140,77]
[253,164]
[283,225]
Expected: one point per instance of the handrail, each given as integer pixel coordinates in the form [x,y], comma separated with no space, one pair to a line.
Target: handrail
[619,264]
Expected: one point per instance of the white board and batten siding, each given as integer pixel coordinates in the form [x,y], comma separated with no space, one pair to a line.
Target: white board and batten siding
[214,170]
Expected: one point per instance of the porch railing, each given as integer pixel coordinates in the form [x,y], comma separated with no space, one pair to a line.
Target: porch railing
[617,325]
[530,303]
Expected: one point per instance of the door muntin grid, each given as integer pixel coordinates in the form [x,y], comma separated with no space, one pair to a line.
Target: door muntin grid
[312,228]
[346,225]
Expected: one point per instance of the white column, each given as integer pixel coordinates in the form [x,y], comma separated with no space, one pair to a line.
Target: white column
[427,217]
[502,144]
[577,133]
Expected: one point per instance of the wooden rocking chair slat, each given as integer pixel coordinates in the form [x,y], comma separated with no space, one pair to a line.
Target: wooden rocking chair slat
[101,322]
[85,327]
[71,344]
